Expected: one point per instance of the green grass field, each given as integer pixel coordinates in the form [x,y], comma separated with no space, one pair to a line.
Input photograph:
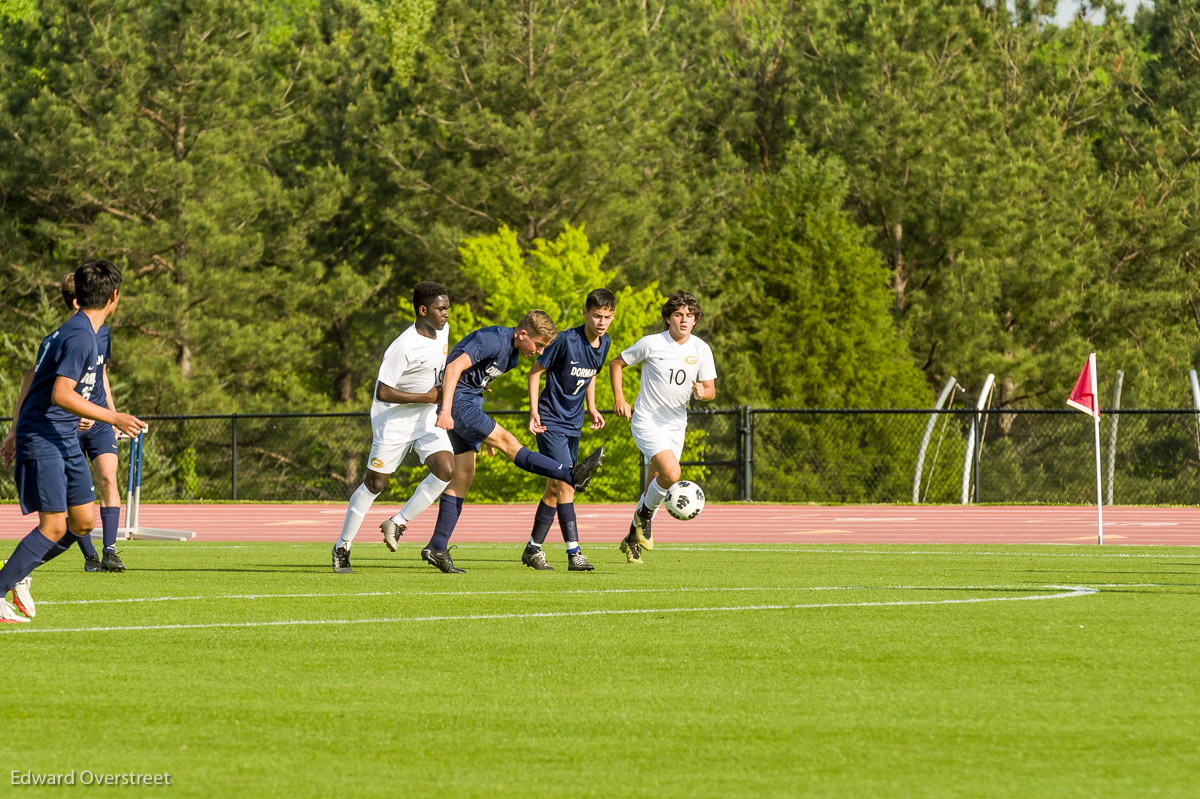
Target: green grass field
[731,671]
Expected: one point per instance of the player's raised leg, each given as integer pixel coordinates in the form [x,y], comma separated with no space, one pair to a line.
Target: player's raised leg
[663,473]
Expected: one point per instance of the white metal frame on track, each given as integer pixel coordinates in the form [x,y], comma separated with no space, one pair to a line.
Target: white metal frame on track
[133,529]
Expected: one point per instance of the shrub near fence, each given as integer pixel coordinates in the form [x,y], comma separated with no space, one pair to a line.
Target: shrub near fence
[777,455]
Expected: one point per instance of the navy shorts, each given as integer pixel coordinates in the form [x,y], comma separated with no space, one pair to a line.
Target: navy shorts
[559,446]
[97,440]
[51,485]
[471,427]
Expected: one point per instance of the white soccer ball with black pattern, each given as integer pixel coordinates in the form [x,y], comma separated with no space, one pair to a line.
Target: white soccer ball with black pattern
[684,500]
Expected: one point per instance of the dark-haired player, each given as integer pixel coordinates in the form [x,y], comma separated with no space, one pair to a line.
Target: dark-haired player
[677,367]
[403,416]
[98,441]
[51,473]
[556,417]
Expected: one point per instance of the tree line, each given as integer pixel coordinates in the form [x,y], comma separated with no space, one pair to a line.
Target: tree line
[867,197]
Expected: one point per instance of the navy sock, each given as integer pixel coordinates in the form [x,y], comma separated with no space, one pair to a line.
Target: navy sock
[86,546]
[24,559]
[538,463]
[110,519]
[542,520]
[64,543]
[566,523]
[449,509]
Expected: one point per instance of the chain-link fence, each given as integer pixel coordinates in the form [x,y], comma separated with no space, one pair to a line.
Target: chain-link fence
[779,455]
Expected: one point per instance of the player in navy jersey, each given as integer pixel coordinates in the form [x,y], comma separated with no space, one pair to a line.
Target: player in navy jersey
[98,441]
[475,362]
[556,417]
[51,472]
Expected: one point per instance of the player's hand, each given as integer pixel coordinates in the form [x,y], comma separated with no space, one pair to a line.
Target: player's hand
[597,419]
[489,450]
[130,425]
[445,420]
[623,410]
[535,423]
[698,390]
[8,449]
[86,424]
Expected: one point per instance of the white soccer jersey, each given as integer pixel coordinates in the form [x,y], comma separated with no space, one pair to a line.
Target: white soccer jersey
[415,364]
[668,371]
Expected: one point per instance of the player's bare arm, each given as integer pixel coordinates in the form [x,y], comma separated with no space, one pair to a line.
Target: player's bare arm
[8,449]
[704,390]
[386,393]
[589,404]
[63,395]
[535,391]
[615,370]
[454,371]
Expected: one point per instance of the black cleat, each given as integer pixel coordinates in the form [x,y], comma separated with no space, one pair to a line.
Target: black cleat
[641,527]
[536,559]
[576,562]
[586,469]
[441,559]
[91,563]
[111,563]
[341,561]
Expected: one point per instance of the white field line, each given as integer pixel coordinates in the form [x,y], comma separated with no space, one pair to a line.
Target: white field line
[536,592]
[1069,592]
[1188,550]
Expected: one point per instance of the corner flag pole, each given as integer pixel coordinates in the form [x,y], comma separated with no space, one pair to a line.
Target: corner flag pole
[1099,487]
[1084,397]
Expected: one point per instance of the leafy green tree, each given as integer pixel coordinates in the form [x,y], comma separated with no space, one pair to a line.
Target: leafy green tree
[806,317]
[540,115]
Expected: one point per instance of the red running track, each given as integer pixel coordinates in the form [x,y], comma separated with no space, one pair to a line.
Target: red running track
[854,524]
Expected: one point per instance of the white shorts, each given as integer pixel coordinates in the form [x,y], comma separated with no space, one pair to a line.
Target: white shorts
[387,451]
[653,440]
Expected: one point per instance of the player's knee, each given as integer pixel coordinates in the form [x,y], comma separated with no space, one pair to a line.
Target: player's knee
[376,482]
[441,468]
[565,494]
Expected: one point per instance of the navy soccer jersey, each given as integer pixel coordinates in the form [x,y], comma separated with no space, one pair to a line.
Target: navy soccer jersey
[44,429]
[570,363]
[103,353]
[492,354]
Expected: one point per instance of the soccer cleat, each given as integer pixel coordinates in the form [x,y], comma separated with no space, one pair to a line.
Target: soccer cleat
[632,550]
[536,559]
[91,563]
[441,559]
[426,556]
[392,531]
[341,561]
[641,527]
[586,469]
[22,598]
[111,563]
[576,562]
[8,615]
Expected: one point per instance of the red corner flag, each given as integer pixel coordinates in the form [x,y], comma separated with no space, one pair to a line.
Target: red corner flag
[1083,396]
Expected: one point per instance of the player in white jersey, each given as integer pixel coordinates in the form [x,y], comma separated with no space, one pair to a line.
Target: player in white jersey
[677,367]
[403,417]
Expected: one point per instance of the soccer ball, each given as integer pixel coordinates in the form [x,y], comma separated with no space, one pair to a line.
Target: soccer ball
[685,500]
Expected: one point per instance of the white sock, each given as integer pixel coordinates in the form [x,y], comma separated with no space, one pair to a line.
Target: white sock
[426,494]
[360,503]
[654,496]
